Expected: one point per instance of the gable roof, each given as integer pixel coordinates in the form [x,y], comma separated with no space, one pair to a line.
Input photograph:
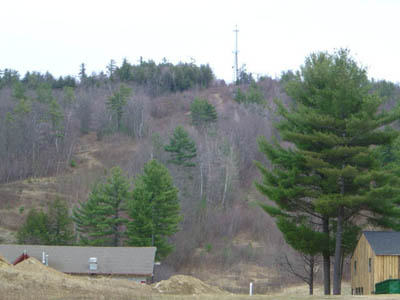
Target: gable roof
[384,242]
[73,259]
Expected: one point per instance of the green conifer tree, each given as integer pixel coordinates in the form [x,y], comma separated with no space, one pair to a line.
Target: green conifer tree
[44,93]
[82,73]
[125,71]
[154,209]
[99,220]
[111,67]
[203,113]
[35,229]
[304,239]
[19,91]
[182,148]
[59,223]
[116,103]
[55,117]
[330,173]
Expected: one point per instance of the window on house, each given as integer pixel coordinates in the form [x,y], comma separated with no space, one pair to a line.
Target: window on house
[355,267]
[369,265]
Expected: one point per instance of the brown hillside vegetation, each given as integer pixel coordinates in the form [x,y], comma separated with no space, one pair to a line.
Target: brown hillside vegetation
[224,161]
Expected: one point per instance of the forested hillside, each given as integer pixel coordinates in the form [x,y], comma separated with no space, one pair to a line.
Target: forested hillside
[59,137]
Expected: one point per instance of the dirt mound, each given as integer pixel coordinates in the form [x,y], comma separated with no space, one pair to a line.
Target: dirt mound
[33,265]
[185,285]
[30,279]
[4,262]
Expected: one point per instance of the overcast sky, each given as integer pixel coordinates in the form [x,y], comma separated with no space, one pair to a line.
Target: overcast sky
[274,35]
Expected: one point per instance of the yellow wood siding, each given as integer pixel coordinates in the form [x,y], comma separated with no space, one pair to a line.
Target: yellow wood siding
[387,267]
[382,267]
[362,278]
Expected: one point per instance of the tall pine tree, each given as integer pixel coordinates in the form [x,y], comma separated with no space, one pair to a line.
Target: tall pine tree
[59,223]
[99,220]
[154,209]
[35,229]
[117,102]
[329,172]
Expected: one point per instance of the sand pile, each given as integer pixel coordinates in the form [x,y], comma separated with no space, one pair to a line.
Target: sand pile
[33,265]
[30,279]
[185,285]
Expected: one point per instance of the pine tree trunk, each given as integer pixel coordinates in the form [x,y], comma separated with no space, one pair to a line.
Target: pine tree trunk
[201,181]
[225,184]
[338,253]
[341,267]
[116,231]
[327,260]
[311,284]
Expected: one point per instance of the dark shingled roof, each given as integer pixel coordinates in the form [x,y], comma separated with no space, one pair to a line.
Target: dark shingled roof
[73,259]
[384,242]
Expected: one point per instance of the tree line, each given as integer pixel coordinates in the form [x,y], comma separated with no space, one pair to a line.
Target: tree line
[163,77]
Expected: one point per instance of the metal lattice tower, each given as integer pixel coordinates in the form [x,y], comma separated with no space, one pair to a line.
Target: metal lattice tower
[236,66]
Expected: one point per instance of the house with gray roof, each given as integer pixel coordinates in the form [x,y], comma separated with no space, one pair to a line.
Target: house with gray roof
[375,259]
[136,263]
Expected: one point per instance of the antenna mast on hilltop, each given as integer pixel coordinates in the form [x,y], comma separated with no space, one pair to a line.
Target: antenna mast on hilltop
[236,72]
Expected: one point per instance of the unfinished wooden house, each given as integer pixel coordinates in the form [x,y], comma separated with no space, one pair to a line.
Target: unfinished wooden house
[375,259]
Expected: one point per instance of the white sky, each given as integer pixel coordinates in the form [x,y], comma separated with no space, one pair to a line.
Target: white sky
[58,35]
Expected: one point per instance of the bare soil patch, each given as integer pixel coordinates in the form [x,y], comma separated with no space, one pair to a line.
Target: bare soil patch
[185,285]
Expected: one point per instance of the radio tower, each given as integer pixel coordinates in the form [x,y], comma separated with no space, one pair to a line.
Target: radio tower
[236,72]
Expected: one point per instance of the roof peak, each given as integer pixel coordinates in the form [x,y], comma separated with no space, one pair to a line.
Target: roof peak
[384,242]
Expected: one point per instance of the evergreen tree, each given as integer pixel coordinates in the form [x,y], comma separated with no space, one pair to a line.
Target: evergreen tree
[35,229]
[98,220]
[253,95]
[389,155]
[19,91]
[304,239]
[44,93]
[140,230]
[331,173]
[69,97]
[125,71]
[240,96]
[55,117]
[111,68]
[203,113]
[59,223]
[117,101]
[181,147]
[154,209]
[82,73]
